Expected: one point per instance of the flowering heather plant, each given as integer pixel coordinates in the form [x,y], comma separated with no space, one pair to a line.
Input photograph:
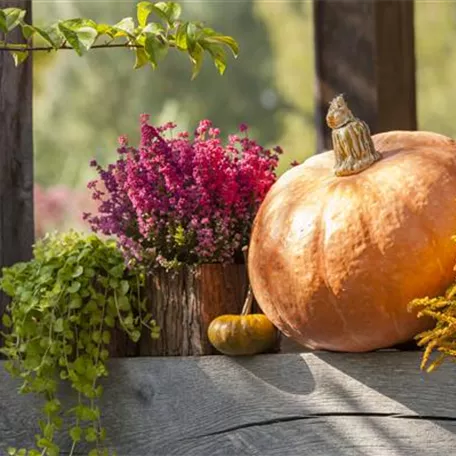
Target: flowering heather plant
[180,200]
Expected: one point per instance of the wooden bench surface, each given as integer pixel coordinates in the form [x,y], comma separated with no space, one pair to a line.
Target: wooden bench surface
[316,404]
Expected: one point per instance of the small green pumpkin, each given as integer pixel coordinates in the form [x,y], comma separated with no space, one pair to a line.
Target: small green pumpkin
[244,334]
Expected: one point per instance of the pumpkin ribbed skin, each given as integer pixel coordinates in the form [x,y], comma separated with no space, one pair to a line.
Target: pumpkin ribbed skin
[334,261]
[237,335]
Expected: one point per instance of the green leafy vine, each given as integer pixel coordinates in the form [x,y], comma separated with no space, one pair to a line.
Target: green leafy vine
[150,41]
[66,303]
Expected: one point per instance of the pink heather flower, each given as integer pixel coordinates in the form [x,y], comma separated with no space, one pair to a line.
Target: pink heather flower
[180,199]
[243,128]
[144,118]
[123,141]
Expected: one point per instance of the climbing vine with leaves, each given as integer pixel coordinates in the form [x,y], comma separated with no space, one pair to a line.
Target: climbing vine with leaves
[67,303]
[150,41]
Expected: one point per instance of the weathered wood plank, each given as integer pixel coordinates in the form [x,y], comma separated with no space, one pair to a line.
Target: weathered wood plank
[320,404]
[366,51]
[16,156]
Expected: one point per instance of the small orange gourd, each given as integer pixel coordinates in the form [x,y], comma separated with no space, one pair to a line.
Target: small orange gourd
[244,334]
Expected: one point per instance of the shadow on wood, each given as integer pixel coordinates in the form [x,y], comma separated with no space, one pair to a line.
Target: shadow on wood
[321,404]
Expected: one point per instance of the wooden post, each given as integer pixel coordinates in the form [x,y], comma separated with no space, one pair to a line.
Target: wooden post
[16,155]
[365,49]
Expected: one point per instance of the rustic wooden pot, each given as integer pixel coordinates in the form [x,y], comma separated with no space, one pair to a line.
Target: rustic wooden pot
[184,302]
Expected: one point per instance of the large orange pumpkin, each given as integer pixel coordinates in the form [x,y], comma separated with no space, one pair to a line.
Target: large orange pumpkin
[343,242]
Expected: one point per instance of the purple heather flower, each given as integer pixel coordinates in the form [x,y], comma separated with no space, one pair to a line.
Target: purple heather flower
[191,200]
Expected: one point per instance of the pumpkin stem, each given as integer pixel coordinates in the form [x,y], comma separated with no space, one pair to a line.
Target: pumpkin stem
[247,307]
[352,142]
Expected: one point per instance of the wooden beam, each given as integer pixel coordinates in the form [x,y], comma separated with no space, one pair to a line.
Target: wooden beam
[319,404]
[16,155]
[365,49]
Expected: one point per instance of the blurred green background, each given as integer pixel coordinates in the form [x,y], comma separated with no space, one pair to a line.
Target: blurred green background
[82,105]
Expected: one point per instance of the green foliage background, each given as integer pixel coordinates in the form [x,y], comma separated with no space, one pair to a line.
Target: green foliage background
[83,104]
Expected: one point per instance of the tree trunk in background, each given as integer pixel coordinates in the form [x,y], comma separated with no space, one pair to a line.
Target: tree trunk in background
[183,303]
[365,49]
[16,155]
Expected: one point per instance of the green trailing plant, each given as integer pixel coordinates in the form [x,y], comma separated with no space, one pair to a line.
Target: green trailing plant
[66,303]
[441,338]
[150,41]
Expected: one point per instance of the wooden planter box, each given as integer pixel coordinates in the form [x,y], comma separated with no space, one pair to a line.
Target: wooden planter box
[184,302]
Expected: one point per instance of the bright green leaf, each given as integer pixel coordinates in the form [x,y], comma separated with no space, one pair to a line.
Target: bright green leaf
[109,321]
[45,36]
[79,269]
[87,36]
[146,8]
[155,28]
[143,9]
[128,321]
[75,433]
[135,335]
[218,55]
[123,303]
[227,40]
[124,286]
[6,320]
[141,58]
[126,27]
[117,271]
[106,337]
[48,431]
[13,17]
[75,303]
[181,36]
[196,56]
[105,29]
[79,365]
[34,453]
[155,49]
[52,35]
[58,325]
[91,435]
[171,10]
[74,287]
[11,451]
[19,56]
[71,37]
[3,28]
[27,30]
[191,36]
[207,31]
